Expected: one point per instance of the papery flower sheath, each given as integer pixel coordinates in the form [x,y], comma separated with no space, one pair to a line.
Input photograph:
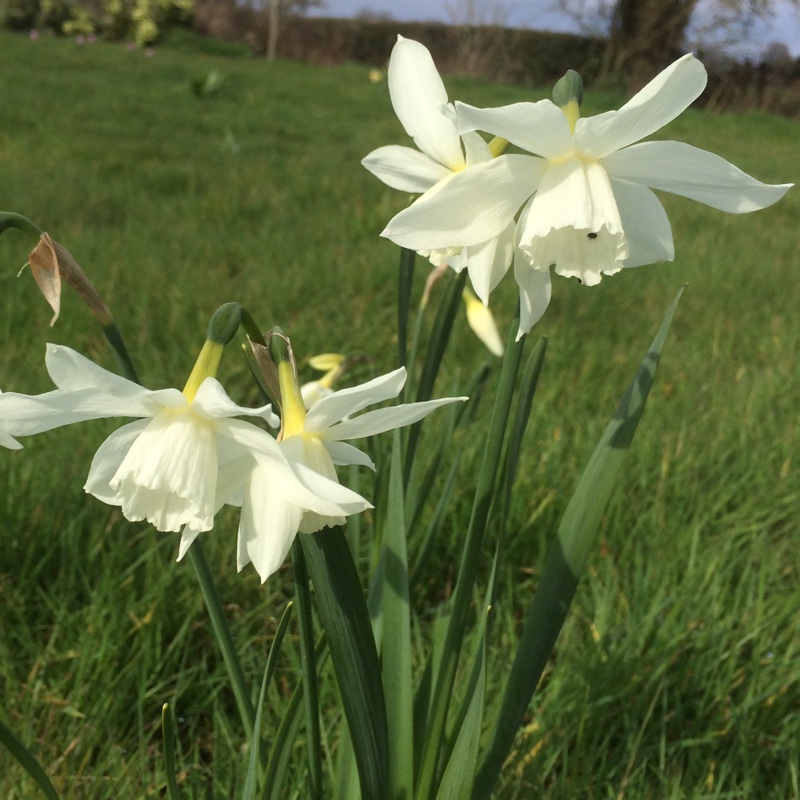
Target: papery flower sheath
[419,99]
[586,199]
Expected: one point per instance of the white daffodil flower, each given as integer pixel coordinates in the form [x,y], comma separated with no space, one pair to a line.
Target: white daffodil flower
[311,442]
[586,199]
[278,498]
[419,99]
[171,466]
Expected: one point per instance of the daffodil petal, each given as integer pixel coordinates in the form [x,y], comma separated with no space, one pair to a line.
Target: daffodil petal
[188,535]
[107,459]
[535,290]
[658,103]
[405,169]
[212,401]
[267,527]
[345,402]
[324,496]
[6,440]
[276,500]
[697,174]
[417,93]
[25,415]
[488,262]
[645,224]
[169,474]
[71,371]
[250,437]
[472,207]
[539,128]
[475,148]
[9,441]
[345,454]
[385,419]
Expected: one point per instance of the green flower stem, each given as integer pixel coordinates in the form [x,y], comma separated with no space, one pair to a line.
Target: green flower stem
[8,219]
[247,321]
[437,343]
[408,389]
[224,638]
[114,336]
[308,660]
[484,494]
[405,283]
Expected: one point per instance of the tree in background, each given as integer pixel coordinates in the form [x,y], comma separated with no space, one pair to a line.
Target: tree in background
[481,51]
[277,10]
[646,35]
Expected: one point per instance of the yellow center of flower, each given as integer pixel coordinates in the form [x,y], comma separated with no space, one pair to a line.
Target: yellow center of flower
[572,111]
[205,367]
[498,146]
[293,409]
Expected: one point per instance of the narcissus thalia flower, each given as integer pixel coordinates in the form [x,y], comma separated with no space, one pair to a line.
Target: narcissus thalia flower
[586,203]
[182,461]
[312,441]
[419,97]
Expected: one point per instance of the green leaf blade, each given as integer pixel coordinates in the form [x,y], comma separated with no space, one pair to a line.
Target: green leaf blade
[565,561]
[396,647]
[345,619]
[27,761]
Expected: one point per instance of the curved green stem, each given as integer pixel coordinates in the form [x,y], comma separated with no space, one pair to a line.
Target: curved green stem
[224,637]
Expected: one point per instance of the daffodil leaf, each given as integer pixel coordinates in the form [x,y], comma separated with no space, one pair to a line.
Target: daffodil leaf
[168,736]
[251,779]
[565,561]
[344,616]
[457,779]
[254,762]
[346,781]
[278,764]
[396,647]
[27,761]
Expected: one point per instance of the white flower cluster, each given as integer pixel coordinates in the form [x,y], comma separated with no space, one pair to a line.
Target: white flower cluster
[187,456]
[582,203]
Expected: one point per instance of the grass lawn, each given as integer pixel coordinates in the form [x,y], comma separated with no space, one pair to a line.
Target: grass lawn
[677,674]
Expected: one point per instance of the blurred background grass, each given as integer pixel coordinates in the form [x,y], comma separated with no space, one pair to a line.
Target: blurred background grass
[678,672]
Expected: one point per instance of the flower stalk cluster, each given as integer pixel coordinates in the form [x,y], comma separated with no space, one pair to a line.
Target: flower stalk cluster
[189,453]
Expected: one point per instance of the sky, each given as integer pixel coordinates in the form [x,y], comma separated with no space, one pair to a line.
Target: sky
[783,26]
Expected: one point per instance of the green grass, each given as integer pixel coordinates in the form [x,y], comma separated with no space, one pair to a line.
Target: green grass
[678,672]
